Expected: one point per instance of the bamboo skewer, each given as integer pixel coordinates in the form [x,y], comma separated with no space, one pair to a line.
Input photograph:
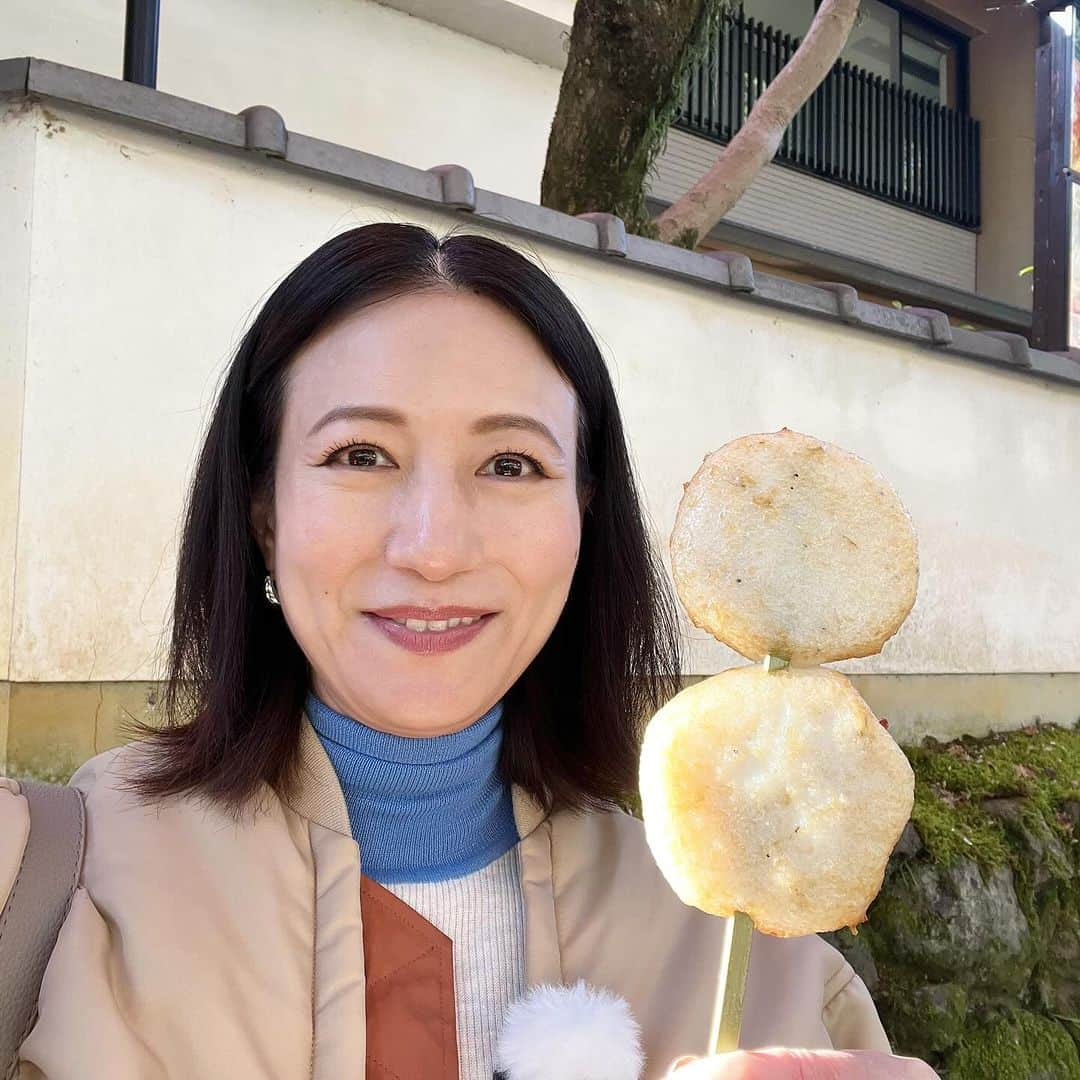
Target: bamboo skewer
[774,663]
[727,1020]
[735,960]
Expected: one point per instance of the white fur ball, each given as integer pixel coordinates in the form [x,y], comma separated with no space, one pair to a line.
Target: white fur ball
[574,1032]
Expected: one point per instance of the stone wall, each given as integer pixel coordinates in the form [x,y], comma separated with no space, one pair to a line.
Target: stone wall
[972,949]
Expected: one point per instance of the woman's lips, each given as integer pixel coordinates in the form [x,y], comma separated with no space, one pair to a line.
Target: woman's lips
[428,642]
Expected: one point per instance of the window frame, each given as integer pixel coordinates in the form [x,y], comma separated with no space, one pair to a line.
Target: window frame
[957,41]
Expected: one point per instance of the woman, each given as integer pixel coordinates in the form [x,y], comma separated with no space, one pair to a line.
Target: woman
[417,624]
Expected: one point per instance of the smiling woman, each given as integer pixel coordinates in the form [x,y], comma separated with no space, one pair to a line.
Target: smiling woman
[413,506]
[411,427]
[418,624]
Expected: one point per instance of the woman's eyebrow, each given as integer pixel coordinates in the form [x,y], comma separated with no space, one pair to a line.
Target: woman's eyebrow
[485,425]
[515,422]
[359,412]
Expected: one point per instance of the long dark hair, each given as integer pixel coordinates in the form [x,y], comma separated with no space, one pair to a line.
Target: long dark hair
[237,679]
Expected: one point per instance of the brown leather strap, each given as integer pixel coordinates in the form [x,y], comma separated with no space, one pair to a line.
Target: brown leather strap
[36,907]
[409,970]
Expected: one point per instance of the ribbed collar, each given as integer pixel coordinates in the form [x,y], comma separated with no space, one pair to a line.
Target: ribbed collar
[421,809]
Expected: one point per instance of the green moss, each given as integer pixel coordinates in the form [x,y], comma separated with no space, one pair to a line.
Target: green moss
[951,829]
[50,774]
[1040,764]
[1072,1026]
[927,1018]
[1021,1046]
[894,919]
[1057,980]
[687,238]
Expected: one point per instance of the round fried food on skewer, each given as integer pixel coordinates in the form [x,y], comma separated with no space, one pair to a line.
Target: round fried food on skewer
[790,546]
[776,794]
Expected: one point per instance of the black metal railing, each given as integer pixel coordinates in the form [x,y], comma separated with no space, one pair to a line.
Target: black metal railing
[857,129]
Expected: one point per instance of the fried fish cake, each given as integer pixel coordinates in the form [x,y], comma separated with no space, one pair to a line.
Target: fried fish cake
[776,794]
[788,545]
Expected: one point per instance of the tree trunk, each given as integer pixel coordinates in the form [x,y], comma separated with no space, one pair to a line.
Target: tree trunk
[756,142]
[621,89]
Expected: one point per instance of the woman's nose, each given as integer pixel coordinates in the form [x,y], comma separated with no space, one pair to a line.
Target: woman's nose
[434,529]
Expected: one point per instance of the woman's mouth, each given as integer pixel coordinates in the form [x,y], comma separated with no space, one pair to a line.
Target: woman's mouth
[426,636]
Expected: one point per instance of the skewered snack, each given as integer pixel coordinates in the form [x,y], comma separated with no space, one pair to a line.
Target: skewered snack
[771,793]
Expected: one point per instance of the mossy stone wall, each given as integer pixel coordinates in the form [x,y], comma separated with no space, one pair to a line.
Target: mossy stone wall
[972,948]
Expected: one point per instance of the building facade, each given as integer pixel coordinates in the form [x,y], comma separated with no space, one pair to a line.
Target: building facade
[909,173]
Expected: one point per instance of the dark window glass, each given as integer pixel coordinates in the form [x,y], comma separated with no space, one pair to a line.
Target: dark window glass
[788,16]
[874,43]
[928,64]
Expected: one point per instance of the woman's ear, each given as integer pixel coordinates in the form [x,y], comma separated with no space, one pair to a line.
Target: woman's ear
[262,526]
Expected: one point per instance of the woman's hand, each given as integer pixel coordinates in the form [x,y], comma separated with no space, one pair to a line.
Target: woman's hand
[801,1065]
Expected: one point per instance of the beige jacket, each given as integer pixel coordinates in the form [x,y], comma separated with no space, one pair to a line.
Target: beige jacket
[195,947]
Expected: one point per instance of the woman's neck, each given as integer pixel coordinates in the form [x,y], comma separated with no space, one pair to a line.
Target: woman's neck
[421,809]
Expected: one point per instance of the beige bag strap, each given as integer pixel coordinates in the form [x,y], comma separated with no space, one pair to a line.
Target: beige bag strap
[36,908]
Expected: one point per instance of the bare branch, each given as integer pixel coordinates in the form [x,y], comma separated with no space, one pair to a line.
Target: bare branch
[756,142]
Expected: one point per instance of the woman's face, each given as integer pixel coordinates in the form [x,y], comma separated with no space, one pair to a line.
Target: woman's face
[404,489]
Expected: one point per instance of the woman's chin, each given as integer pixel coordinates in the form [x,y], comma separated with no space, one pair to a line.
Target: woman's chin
[417,713]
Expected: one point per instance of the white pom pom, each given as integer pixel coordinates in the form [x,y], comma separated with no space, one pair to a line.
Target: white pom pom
[570,1033]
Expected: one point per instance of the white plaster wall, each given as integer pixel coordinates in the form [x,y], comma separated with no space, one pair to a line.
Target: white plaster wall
[149,255]
[18,131]
[350,71]
[83,33]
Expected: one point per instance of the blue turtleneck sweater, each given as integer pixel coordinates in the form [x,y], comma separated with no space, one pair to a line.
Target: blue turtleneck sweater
[421,809]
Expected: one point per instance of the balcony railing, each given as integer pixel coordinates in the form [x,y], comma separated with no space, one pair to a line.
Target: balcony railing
[857,129]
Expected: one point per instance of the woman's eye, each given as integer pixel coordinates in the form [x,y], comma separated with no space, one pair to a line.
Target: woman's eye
[358,456]
[512,465]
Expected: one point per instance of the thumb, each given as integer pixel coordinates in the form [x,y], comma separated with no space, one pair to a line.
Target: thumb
[777,1063]
[679,1062]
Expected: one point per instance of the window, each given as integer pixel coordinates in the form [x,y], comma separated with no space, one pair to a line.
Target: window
[928,64]
[788,16]
[874,41]
[887,40]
